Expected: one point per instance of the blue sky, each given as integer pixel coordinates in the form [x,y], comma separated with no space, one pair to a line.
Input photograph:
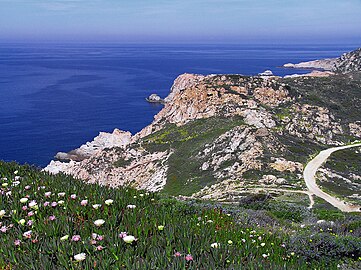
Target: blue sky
[213,21]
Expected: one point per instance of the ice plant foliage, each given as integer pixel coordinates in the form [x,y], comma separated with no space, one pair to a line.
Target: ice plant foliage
[45,223]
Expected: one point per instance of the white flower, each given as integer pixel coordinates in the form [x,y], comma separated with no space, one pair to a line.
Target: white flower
[61,194]
[80,257]
[99,222]
[5,184]
[2,213]
[16,183]
[21,221]
[24,200]
[215,245]
[230,242]
[27,234]
[129,239]
[131,206]
[263,244]
[264,256]
[96,206]
[47,194]
[64,238]
[109,202]
[61,202]
[33,204]
[16,172]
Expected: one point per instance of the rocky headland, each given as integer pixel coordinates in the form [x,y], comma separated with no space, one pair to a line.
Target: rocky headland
[223,136]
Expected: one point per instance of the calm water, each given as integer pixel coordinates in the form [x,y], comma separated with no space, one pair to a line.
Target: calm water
[56,97]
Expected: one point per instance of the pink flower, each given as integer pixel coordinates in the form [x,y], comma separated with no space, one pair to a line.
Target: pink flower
[17,242]
[99,248]
[3,229]
[51,218]
[93,242]
[30,214]
[122,235]
[24,207]
[76,238]
[30,223]
[84,202]
[47,194]
[100,238]
[27,187]
[177,254]
[27,234]
[189,258]
[73,196]
[46,204]
[54,204]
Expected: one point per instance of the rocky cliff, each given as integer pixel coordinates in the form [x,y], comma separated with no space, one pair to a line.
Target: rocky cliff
[218,136]
[348,62]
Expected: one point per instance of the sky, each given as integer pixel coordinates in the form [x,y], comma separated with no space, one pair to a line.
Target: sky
[181,21]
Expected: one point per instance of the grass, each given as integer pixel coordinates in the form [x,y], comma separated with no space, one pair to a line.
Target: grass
[32,234]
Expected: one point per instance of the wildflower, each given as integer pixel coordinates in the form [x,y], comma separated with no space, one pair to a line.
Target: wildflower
[96,206]
[215,245]
[2,213]
[24,200]
[47,194]
[33,204]
[160,227]
[5,184]
[17,242]
[94,236]
[27,187]
[46,204]
[100,238]
[54,204]
[30,223]
[24,208]
[129,239]
[51,218]
[141,195]
[177,254]
[65,237]
[210,221]
[76,238]
[122,235]
[265,255]
[27,234]
[21,221]
[263,244]
[243,240]
[61,202]
[16,183]
[189,258]
[84,202]
[99,222]
[230,242]
[30,214]
[61,194]
[16,172]
[34,241]
[292,254]
[131,206]
[99,248]
[80,257]
[73,196]
[109,202]
[3,229]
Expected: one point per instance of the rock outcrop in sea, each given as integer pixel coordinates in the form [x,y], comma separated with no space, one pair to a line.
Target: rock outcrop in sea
[218,135]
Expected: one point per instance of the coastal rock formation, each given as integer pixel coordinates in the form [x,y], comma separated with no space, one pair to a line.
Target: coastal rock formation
[154,98]
[219,135]
[348,62]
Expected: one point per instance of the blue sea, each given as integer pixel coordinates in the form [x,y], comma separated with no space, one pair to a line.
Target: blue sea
[56,97]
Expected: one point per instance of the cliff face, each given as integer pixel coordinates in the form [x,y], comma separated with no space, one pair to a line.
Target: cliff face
[216,132]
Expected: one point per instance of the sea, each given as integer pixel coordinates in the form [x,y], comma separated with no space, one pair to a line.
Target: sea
[55,97]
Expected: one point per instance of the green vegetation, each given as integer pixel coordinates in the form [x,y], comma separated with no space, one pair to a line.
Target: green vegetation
[184,175]
[57,222]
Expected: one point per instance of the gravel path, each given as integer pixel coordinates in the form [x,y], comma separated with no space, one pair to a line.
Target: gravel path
[309,176]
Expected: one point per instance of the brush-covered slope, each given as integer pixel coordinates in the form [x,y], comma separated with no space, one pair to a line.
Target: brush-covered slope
[57,222]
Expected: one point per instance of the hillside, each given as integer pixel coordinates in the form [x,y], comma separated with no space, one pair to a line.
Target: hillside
[348,62]
[57,222]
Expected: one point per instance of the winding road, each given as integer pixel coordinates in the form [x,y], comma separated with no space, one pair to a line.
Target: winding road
[309,176]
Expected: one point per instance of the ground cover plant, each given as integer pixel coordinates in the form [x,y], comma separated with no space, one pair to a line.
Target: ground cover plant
[57,222]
